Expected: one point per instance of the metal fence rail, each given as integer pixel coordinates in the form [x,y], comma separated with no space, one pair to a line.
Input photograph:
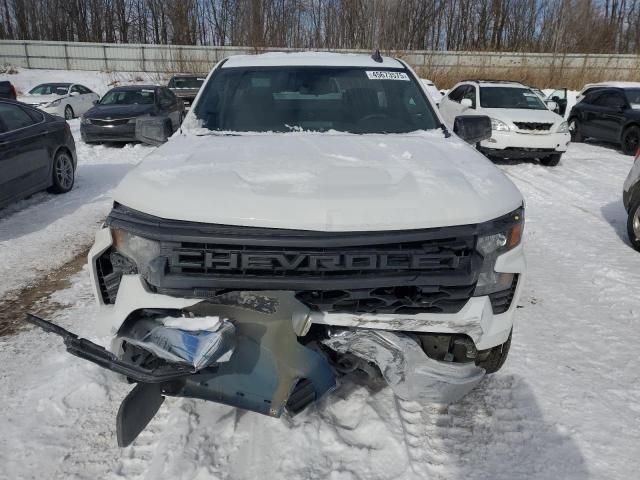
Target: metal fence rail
[183,58]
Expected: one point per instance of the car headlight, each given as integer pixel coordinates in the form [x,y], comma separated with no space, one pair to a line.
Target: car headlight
[138,249]
[491,246]
[563,128]
[84,120]
[499,125]
[55,103]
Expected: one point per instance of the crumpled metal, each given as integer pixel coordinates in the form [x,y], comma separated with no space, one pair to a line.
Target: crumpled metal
[410,373]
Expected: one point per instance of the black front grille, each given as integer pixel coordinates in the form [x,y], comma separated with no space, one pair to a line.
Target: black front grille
[396,272]
[392,300]
[533,125]
[430,275]
[107,123]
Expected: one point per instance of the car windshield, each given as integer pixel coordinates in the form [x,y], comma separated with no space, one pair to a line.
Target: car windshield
[633,96]
[281,99]
[186,82]
[51,89]
[510,97]
[143,96]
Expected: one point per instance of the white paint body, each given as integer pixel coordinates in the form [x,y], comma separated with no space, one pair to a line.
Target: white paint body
[329,182]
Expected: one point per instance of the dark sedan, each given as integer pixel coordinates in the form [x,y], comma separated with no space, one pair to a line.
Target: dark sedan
[113,118]
[609,114]
[37,152]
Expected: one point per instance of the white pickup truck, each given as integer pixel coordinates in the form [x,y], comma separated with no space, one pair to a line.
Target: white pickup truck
[312,219]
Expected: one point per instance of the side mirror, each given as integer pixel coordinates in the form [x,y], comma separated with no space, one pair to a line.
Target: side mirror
[95,102]
[466,103]
[472,128]
[73,94]
[151,130]
[555,98]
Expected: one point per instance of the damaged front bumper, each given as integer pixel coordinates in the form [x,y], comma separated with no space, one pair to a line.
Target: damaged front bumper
[258,363]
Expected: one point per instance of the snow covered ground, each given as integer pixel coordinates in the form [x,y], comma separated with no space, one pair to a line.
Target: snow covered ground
[566,405]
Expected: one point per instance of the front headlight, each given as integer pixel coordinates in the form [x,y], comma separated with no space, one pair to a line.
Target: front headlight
[563,128]
[84,120]
[493,245]
[499,125]
[139,249]
[55,103]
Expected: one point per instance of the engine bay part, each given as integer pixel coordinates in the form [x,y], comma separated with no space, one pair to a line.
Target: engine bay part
[406,368]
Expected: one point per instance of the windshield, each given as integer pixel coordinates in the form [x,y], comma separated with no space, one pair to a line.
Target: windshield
[281,99]
[633,96]
[51,89]
[143,96]
[510,97]
[186,82]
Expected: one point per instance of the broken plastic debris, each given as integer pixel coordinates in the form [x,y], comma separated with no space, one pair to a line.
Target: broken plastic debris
[198,342]
[410,373]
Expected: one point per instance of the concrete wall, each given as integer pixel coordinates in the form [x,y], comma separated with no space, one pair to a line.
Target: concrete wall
[174,58]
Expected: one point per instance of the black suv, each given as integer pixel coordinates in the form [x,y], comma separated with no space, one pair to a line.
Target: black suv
[608,113]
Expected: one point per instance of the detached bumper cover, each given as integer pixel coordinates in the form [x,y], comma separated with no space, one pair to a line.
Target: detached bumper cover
[410,373]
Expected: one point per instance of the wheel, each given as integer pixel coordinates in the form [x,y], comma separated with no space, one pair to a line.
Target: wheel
[493,359]
[552,160]
[63,173]
[630,140]
[574,129]
[633,224]
[68,113]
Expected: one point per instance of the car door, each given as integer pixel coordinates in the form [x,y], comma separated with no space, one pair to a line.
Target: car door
[607,116]
[24,157]
[450,106]
[560,97]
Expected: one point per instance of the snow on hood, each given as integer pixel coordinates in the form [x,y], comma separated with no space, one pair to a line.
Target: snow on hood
[322,182]
[509,115]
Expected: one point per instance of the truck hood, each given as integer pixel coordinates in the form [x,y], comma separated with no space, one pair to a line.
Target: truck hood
[321,182]
[510,115]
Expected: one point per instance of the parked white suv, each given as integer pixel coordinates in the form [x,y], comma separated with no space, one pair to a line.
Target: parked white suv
[523,126]
[312,218]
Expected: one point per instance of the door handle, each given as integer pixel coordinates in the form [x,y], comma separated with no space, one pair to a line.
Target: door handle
[46,132]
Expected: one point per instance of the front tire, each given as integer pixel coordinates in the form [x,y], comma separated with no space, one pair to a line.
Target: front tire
[68,113]
[552,160]
[633,224]
[493,359]
[63,173]
[574,129]
[630,140]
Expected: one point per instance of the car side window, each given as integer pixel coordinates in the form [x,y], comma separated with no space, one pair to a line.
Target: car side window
[14,117]
[456,95]
[35,115]
[82,89]
[470,94]
[76,89]
[610,100]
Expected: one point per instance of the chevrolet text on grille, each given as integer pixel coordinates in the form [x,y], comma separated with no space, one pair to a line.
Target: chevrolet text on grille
[316,262]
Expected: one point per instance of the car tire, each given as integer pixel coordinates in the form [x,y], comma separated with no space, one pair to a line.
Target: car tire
[633,224]
[574,129]
[630,140]
[68,113]
[63,172]
[493,359]
[551,160]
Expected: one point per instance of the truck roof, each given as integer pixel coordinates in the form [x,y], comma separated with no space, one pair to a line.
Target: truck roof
[313,59]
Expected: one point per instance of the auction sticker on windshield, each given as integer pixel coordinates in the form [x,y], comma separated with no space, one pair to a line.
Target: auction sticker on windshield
[387,75]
